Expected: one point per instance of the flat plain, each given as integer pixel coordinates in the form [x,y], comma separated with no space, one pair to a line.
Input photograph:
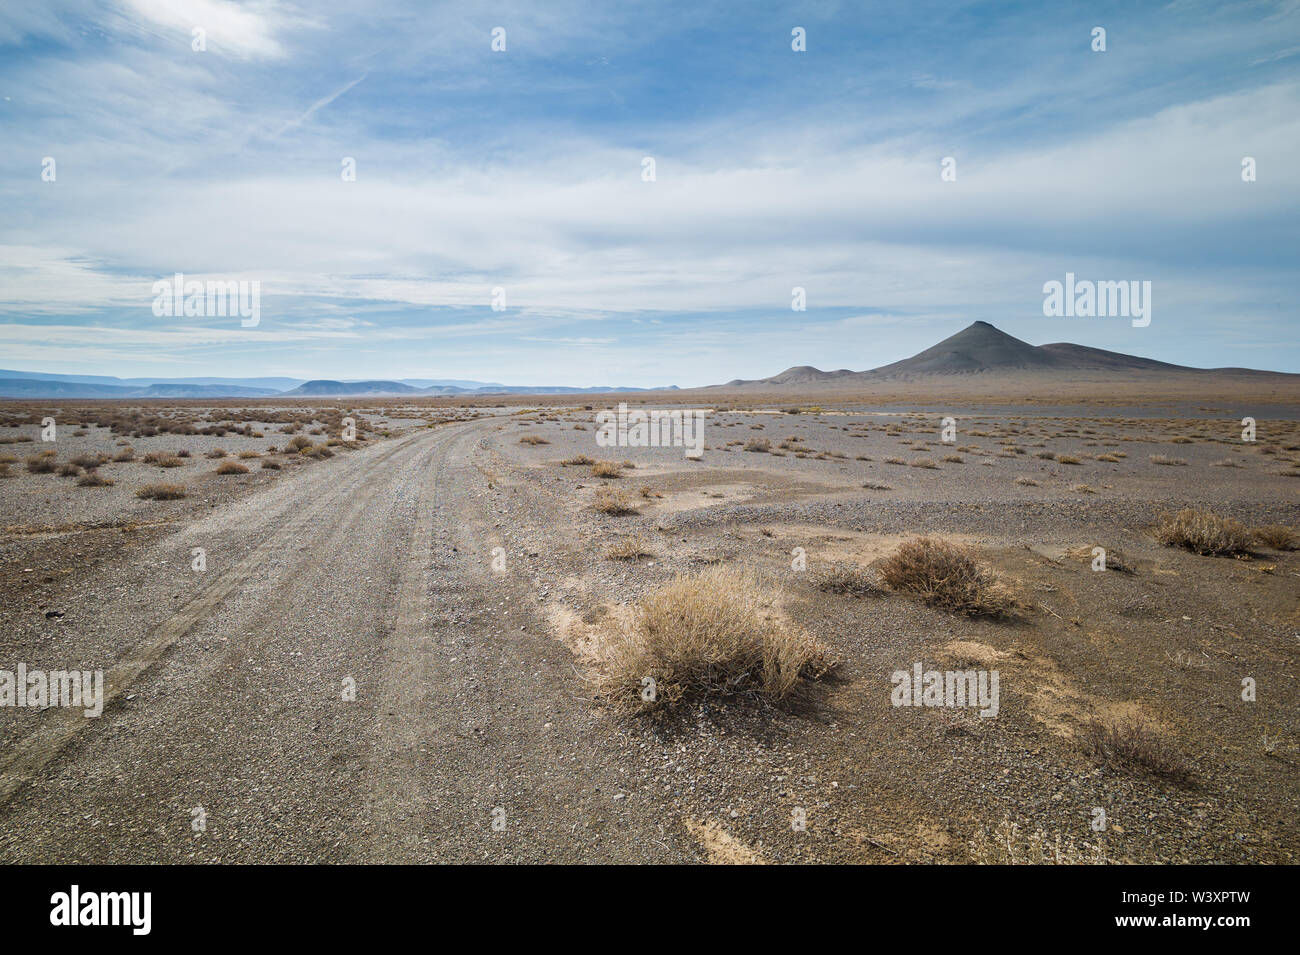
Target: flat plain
[478,571]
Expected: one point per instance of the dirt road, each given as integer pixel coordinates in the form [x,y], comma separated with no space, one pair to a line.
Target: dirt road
[228,735]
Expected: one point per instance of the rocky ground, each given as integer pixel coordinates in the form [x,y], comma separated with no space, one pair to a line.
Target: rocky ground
[451,564]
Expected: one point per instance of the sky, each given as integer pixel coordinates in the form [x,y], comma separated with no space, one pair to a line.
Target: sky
[524,169]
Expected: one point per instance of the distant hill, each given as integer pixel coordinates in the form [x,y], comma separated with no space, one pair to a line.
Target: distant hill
[323,387]
[36,388]
[982,350]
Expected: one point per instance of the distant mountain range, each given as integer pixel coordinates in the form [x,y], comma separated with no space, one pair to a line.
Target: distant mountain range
[981,349]
[35,385]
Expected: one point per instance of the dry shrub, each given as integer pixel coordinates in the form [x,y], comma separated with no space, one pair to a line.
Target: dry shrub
[4,470]
[706,637]
[1164,459]
[161,492]
[1026,482]
[299,442]
[1108,458]
[758,445]
[841,578]
[577,460]
[214,453]
[629,548]
[42,463]
[953,459]
[615,503]
[607,469]
[923,463]
[533,439]
[1277,536]
[246,455]
[93,478]
[946,576]
[1203,533]
[1067,459]
[1132,746]
[68,469]
[270,464]
[232,467]
[126,454]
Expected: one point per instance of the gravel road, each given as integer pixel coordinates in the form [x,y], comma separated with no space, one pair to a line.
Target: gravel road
[227,733]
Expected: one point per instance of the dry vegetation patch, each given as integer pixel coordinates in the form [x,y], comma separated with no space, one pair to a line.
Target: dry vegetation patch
[161,492]
[613,502]
[712,636]
[1203,533]
[842,578]
[1131,745]
[1277,536]
[947,576]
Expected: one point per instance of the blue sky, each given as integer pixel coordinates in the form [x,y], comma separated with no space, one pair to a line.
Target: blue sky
[522,169]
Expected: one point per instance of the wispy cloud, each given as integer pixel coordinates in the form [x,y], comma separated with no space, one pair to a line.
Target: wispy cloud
[522,170]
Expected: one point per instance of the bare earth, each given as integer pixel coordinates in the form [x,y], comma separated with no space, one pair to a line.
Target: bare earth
[475,734]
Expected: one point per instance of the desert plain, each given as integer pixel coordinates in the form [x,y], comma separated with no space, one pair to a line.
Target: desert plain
[410,637]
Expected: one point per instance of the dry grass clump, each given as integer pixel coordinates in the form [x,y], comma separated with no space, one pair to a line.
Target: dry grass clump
[953,459]
[246,455]
[93,478]
[613,502]
[161,492]
[842,578]
[1026,482]
[607,469]
[1277,536]
[270,464]
[708,637]
[42,463]
[533,439]
[299,443]
[1132,746]
[1067,459]
[894,461]
[947,576]
[922,463]
[1166,460]
[4,470]
[759,445]
[629,548]
[1203,533]
[1108,458]
[232,467]
[214,453]
[577,460]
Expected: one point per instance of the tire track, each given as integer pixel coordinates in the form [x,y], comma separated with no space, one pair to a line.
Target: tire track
[60,726]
